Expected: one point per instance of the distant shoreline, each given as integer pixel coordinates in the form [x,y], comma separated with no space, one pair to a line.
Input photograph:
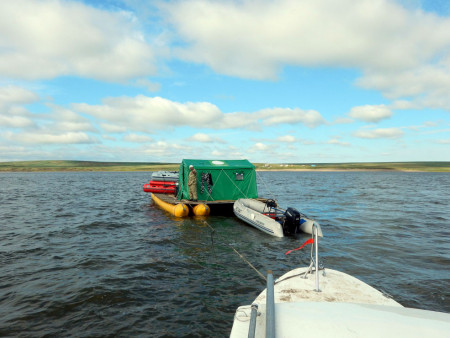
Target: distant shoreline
[91,166]
[349,170]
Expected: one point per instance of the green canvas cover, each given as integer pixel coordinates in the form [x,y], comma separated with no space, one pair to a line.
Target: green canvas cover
[231,179]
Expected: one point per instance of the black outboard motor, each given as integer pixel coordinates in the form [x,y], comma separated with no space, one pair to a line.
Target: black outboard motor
[291,221]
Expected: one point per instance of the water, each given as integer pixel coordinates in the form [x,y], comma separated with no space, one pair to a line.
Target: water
[88,254]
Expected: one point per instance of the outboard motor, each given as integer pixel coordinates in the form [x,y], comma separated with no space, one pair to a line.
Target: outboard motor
[271,204]
[291,221]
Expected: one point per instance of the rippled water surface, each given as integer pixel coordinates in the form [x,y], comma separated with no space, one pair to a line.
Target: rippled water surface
[88,254]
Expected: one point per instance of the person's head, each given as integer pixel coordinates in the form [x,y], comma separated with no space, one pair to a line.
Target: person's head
[191,167]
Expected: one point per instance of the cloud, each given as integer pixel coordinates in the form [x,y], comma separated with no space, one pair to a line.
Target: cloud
[50,38]
[16,95]
[205,138]
[271,117]
[230,36]
[403,52]
[150,114]
[51,138]
[59,126]
[425,125]
[425,86]
[12,111]
[258,147]
[65,120]
[371,113]
[379,133]
[164,150]
[227,153]
[338,142]
[286,138]
[150,86]
[15,121]
[113,128]
[310,118]
[135,138]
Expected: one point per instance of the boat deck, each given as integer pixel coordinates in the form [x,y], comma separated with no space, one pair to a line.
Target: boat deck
[344,307]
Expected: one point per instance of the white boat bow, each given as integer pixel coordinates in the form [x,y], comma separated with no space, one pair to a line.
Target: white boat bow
[339,305]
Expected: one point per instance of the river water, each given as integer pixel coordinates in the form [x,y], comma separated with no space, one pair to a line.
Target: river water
[89,254]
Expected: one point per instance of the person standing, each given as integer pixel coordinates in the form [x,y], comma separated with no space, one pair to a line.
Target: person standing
[192,183]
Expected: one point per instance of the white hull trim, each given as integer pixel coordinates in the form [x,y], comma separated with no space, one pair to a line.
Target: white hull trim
[251,211]
[257,219]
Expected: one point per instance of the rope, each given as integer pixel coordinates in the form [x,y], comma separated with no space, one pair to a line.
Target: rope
[243,258]
[260,179]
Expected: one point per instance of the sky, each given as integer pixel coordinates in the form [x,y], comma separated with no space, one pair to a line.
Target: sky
[271,81]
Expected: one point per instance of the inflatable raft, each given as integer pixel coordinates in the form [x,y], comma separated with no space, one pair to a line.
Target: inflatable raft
[180,208]
[165,176]
[272,220]
[177,210]
[161,187]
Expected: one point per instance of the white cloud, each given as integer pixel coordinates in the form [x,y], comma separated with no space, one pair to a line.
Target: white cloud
[135,138]
[51,138]
[271,117]
[150,86]
[12,111]
[200,137]
[205,138]
[338,142]
[379,133]
[65,120]
[50,38]
[286,138]
[16,95]
[15,121]
[113,128]
[164,150]
[425,125]
[148,114]
[264,34]
[371,113]
[310,118]
[425,86]
[259,147]
[343,120]
[403,52]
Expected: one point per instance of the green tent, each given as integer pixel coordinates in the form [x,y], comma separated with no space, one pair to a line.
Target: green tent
[219,179]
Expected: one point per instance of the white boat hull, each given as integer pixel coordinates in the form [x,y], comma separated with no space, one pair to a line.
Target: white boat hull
[252,212]
[344,307]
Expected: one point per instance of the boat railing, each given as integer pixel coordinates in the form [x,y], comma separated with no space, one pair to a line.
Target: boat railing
[314,260]
[316,246]
[270,294]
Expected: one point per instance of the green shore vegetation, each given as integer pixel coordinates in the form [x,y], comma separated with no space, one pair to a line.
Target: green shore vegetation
[33,166]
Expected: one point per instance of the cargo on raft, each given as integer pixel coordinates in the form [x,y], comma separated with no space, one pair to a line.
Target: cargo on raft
[219,184]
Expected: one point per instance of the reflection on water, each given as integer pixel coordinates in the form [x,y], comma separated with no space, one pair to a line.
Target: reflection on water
[90,254]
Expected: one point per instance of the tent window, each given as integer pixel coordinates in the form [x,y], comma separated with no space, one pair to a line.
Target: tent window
[239,176]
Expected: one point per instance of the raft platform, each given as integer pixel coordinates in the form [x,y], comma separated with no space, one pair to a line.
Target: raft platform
[184,207]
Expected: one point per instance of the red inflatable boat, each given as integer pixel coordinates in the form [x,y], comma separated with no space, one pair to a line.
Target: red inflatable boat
[160,187]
